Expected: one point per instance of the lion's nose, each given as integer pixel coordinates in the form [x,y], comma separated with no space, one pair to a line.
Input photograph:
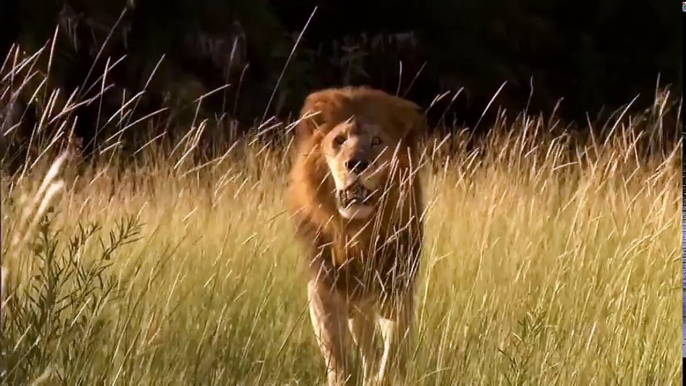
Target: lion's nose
[356,166]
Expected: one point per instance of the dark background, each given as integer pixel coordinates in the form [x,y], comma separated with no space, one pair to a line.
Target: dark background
[596,54]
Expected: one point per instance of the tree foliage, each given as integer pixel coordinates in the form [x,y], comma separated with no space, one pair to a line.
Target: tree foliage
[593,53]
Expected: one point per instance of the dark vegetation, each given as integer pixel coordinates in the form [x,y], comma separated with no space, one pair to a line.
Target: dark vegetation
[596,55]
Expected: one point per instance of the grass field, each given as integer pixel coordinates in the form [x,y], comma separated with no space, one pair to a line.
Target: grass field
[548,261]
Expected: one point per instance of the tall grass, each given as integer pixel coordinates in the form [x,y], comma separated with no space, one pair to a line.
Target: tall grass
[549,259]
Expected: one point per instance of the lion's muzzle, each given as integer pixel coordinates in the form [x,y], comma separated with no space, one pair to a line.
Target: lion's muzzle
[354,202]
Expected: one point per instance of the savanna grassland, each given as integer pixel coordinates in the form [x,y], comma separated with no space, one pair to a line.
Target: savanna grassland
[550,259]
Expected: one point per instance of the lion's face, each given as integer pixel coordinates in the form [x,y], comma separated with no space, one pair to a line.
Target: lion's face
[359,154]
[352,144]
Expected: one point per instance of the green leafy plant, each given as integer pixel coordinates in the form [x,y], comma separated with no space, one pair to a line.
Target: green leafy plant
[52,321]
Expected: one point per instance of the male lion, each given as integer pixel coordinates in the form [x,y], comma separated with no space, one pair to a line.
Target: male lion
[357,202]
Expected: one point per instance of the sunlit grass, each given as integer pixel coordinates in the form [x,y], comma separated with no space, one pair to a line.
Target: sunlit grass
[548,260]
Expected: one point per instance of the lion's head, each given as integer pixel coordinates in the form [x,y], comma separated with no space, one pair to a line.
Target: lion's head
[359,155]
[353,142]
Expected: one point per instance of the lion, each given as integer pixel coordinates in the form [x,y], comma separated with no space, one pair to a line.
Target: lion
[356,200]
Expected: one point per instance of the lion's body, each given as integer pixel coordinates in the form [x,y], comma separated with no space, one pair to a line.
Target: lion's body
[363,252]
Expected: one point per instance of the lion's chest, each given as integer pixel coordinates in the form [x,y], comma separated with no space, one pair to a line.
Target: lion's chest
[360,271]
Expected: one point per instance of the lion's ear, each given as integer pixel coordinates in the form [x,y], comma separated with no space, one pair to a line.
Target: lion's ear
[419,125]
[409,117]
[314,113]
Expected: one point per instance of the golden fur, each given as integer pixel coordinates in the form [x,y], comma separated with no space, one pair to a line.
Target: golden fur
[357,203]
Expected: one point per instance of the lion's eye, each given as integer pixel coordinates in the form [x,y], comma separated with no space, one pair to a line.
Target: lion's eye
[340,140]
[376,141]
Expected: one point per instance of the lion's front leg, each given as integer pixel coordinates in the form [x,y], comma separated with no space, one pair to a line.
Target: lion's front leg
[396,329]
[329,320]
[362,325]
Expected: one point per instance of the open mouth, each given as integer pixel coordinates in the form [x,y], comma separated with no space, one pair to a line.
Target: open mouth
[355,194]
[354,202]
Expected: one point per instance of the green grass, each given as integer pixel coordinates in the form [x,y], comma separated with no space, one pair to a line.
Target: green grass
[537,270]
[548,261]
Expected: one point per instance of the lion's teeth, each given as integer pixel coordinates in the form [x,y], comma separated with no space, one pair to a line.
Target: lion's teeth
[356,193]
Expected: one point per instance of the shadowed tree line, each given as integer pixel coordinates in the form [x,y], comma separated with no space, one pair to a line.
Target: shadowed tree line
[598,55]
